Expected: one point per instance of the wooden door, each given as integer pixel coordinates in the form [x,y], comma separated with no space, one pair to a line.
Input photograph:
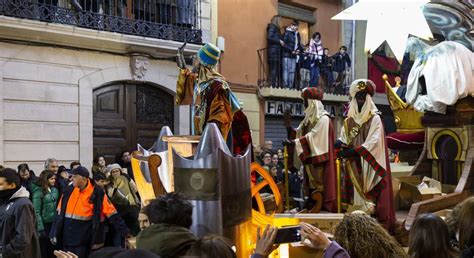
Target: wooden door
[126,114]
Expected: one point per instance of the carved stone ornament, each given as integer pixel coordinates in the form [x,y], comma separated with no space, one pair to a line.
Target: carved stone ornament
[139,66]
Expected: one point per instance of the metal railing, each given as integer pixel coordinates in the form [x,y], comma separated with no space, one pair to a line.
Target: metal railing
[279,72]
[177,20]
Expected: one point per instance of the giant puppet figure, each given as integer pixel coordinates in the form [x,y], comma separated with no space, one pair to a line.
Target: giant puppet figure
[313,141]
[207,91]
[367,169]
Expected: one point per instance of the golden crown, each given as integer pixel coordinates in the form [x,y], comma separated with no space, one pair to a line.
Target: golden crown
[407,119]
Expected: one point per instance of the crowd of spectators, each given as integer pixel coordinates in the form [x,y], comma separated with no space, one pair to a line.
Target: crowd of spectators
[69,213]
[295,65]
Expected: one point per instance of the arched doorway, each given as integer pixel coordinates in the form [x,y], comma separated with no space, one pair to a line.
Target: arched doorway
[447,149]
[129,113]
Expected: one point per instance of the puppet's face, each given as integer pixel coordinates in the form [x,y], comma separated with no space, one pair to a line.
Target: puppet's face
[360,98]
[305,103]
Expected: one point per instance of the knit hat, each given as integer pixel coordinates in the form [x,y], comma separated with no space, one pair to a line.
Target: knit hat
[61,169]
[112,167]
[209,54]
[364,85]
[10,176]
[312,93]
[81,171]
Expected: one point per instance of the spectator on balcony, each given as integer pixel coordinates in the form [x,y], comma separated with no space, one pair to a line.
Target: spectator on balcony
[306,64]
[274,44]
[164,11]
[326,71]
[291,49]
[141,10]
[342,66]
[316,52]
[185,13]
[86,5]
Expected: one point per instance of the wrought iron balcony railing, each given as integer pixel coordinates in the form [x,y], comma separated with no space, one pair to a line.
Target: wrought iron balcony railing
[279,72]
[177,20]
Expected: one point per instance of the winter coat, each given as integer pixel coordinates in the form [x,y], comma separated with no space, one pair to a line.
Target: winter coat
[326,63]
[273,42]
[44,205]
[61,184]
[18,238]
[290,41]
[122,195]
[340,62]
[27,184]
[90,233]
[166,240]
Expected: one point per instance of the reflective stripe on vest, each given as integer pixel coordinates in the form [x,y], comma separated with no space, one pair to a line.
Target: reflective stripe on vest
[77,217]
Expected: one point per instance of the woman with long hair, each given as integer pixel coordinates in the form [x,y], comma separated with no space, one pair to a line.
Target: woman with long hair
[453,221]
[45,200]
[466,229]
[99,165]
[429,237]
[362,236]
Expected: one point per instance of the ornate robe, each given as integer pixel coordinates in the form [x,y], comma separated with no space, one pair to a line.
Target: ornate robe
[367,176]
[211,101]
[314,147]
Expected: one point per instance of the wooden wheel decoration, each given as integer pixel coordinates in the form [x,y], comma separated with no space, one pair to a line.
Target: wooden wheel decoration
[147,191]
[267,181]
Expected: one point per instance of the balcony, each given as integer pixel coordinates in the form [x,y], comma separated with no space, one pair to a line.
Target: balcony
[274,83]
[175,20]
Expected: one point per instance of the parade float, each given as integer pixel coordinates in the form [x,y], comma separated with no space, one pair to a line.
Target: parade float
[434,118]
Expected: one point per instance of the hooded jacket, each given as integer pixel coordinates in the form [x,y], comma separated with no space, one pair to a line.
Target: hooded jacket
[166,240]
[18,238]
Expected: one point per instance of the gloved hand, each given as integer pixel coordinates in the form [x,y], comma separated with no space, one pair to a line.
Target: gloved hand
[338,144]
[347,153]
[287,142]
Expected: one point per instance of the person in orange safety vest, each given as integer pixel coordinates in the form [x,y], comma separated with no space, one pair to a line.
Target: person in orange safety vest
[79,226]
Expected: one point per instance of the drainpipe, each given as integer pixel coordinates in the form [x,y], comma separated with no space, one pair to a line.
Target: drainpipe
[353,45]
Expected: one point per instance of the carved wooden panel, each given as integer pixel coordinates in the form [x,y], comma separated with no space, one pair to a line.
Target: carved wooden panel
[126,114]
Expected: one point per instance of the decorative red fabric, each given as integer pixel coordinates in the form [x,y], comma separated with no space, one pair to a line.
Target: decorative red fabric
[406,141]
[375,74]
[241,136]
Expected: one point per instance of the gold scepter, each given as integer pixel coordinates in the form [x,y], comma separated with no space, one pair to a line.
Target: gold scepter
[338,184]
[287,193]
